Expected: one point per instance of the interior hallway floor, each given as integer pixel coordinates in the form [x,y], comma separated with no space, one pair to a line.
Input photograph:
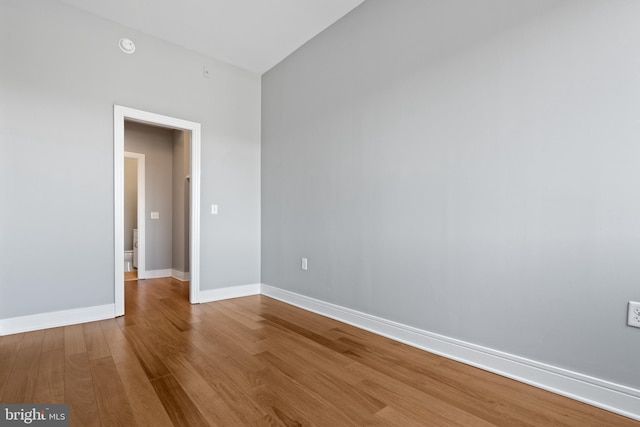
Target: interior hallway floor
[257,361]
[130,275]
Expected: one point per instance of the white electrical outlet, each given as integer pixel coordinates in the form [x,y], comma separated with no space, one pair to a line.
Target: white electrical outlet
[633,318]
[303,264]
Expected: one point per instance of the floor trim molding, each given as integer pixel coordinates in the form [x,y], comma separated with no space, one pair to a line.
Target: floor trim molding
[180,275]
[157,274]
[211,295]
[593,391]
[54,319]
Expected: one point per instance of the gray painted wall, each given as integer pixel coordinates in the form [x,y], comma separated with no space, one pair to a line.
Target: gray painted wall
[130,201]
[180,202]
[470,168]
[61,74]
[156,144]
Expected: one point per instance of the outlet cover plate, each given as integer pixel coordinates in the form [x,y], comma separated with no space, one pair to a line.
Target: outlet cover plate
[633,318]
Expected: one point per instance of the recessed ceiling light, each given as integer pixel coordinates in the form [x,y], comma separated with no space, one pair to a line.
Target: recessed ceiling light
[126,45]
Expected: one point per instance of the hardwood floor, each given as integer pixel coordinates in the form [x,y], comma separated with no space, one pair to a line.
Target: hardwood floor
[257,361]
[130,275]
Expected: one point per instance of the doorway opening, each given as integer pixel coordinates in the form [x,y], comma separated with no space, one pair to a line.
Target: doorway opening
[122,114]
[134,219]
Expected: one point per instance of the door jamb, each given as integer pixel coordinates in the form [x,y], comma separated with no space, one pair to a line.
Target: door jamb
[120,114]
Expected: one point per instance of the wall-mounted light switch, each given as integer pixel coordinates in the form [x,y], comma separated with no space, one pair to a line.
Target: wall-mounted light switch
[214,209]
[303,264]
[633,314]
[155,215]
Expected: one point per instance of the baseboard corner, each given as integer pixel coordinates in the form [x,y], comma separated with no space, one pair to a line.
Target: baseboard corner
[180,275]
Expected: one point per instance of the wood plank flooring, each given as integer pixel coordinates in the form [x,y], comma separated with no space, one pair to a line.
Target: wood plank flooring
[130,275]
[255,361]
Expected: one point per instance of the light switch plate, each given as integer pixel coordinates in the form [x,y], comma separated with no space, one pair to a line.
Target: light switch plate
[633,314]
[155,215]
[214,209]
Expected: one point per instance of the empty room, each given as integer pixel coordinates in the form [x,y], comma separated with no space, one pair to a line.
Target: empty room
[343,212]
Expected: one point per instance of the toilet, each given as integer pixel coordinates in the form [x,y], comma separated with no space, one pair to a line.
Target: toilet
[128,260]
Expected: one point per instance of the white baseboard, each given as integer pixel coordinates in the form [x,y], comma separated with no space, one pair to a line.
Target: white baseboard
[54,319]
[593,391]
[157,274]
[180,275]
[230,292]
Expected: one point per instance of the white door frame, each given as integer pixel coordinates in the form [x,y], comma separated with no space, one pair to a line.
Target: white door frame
[140,161]
[120,114]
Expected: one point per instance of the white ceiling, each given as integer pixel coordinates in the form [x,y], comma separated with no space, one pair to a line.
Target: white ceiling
[252,34]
